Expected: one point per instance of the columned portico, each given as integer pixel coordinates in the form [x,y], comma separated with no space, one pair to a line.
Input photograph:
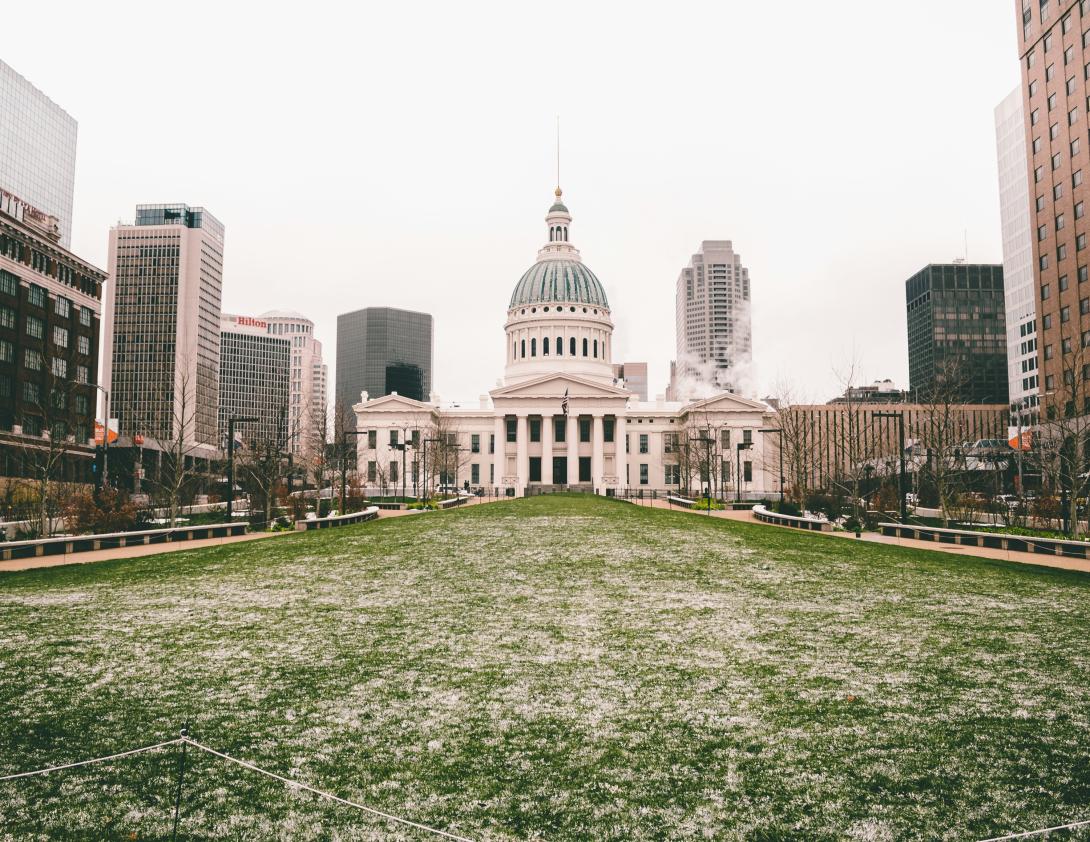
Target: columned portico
[573,449]
[499,455]
[597,459]
[620,460]
[546,448]
[522,448]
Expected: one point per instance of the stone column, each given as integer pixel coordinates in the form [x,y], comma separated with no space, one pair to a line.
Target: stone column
[546,449]
[573,448]
[597,459]
[499,457]
[523,451]
[620,460]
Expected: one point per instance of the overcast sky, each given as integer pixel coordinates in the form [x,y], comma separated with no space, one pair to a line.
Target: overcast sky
[403,154]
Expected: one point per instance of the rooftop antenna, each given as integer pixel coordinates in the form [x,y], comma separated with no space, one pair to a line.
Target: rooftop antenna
[557,151]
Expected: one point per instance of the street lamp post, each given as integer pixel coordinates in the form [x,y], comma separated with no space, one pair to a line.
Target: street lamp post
[901,446]
[707,441]
[742,445]
[105,434]
[234,419]
[777,431]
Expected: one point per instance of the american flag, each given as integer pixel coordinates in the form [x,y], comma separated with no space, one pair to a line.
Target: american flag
[564,403]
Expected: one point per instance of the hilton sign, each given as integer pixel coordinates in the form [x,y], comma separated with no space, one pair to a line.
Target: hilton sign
[248,321]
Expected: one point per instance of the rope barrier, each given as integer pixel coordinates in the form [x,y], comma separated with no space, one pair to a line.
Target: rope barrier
[330,796]
[1030,833]
[93,760]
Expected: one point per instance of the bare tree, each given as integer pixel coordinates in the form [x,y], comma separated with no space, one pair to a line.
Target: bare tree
[48,439]
[800,447]
[262,465]
[941,434]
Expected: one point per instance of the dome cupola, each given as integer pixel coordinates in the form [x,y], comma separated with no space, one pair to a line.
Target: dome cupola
[558,316]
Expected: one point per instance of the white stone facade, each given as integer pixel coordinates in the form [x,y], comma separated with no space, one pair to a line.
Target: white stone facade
[557,421]
[307,400]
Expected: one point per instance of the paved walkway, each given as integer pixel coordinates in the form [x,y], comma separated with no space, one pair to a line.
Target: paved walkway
[128,552]
[1081,565]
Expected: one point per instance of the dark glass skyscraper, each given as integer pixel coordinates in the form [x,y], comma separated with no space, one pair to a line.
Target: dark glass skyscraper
[957,332]
[382,350]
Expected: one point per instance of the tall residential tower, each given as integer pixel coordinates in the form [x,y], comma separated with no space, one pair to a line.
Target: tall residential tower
[162,335]
[1019,289]
[714,331]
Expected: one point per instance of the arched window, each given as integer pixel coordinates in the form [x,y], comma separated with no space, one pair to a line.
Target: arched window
[585,345]
[514,350]
[595,349]
[565,233]
[533,347]
[524,349]
[560,346]
[545,347]
[571,346]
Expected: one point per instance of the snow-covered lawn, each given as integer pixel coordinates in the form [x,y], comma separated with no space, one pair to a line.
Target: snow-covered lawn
[555,668]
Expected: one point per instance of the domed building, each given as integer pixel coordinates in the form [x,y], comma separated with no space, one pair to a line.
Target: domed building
[560,421]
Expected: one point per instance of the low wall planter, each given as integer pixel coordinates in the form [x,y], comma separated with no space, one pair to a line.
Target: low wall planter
[370,513]
[89,543]
[989,540]
[810,524]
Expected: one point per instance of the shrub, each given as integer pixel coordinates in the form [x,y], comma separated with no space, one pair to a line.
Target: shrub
[788,508]
[107,511]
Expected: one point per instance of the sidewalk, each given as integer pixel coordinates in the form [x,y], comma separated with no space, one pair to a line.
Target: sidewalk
[127,552]
[1080,565]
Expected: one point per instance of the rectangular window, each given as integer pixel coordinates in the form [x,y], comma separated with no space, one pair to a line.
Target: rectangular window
[491,442]
[35,327]
[84,345]
[9,284]
[1080,210]
[1054,131]
[83,374]
[584,428]
[608,425]
[1062,283]
[393,438]
[62,306]
[1072,116]
[535,429]
[1071,86]
[475,444]
[1083,273]
[1051,99]
[1069,54]
[1084,307]
[1061,251]
[1076,179]
[1065,315]
[32,359]
[85,316]
[584,469]
[372,471]
[535,469]
[672,474]
[1080,242]
[83,405]
[1042,232]
[60,367]
[475,474]
[372,439]
[1057,159]
[7,317]
[643,473]
[747,436]
[643,443]
[747,472]
[1035,116]
[36,295]
[1057,191]
[60,336]
[7,351]
[1038,174]
[560,429]
[31,392]
[512,428]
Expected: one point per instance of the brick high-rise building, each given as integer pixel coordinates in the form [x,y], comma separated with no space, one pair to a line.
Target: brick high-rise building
[1054,47]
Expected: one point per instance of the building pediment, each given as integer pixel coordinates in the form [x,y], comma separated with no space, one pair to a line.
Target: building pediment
[393,403]
[725,402]
[557,385]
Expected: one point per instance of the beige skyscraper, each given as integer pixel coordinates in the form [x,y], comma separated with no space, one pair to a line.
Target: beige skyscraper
[162,324]
[307,401]
[714,332]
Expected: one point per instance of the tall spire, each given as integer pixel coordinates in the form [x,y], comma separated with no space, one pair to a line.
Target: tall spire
[558,191]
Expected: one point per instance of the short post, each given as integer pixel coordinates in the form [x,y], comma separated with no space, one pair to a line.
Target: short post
[181,776]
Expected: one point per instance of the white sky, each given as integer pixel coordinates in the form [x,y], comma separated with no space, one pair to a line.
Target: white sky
[402,154]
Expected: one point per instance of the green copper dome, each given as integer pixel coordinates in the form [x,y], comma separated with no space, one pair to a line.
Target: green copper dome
[559,280]
[558,206]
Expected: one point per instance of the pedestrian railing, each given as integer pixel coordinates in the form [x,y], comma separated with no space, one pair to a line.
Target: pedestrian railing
[370,513]
[776,519]
[70,544]
[988,540]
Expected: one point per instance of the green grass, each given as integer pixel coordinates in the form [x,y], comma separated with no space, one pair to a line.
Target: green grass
[556,668]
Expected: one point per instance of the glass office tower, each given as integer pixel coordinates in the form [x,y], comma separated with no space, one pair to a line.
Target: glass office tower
[37,149]
[382,350]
